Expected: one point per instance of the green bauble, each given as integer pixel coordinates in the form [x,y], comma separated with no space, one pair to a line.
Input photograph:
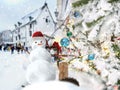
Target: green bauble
[69,34]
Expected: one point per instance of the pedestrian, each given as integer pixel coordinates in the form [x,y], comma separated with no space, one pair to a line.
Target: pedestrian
[0,47]
[18,48]
[22,48]
[26,48]
[12,49]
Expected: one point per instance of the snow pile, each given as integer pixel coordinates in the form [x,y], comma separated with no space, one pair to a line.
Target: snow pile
[12,70]
[39,71]
[54,85]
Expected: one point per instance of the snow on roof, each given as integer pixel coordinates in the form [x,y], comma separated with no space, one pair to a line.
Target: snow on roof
[33,15]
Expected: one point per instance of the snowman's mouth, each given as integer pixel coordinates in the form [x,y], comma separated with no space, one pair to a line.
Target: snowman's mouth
[40,44]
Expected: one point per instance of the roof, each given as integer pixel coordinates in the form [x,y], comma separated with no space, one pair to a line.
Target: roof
[26,19]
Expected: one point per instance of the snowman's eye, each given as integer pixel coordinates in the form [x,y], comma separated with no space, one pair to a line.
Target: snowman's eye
[35,42]
[40,41]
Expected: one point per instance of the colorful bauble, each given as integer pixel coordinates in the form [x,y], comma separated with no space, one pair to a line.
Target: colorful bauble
[65,42]
[77,14]
[91,56]
[69,33]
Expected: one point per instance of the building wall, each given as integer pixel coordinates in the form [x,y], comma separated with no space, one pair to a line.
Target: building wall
[14,35]
[6,36]
[0,38]
[22,35]
[43,23]
[28,32]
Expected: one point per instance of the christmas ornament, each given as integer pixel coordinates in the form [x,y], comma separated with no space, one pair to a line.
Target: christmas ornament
[76,14]
[70,23]
[69,33]
[65,42]
[91,56]
[105,51]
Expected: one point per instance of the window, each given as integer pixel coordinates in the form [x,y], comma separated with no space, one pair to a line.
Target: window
[16,37]
[46,20]
[30,33]
[24,43]
[18,30]
[19,37]
[30,25]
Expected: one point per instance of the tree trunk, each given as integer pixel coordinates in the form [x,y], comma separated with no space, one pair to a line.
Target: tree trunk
[63,70]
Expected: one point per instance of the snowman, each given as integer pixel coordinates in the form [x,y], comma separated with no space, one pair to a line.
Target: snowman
[41,67]
[38,48]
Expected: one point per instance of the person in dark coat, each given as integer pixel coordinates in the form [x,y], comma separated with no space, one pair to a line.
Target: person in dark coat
[0,47]
[18,48]
[12,49]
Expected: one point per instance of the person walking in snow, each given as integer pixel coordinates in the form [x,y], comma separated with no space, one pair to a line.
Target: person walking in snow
[0,47]
[12,49]
[18,47]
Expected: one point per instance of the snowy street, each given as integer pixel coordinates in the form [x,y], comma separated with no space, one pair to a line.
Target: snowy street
[12,70]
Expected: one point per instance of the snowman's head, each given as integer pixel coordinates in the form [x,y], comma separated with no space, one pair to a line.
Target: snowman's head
[38,40]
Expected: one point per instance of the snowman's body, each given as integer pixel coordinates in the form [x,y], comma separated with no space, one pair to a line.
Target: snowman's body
[40,53]
[40,68]
[40,71]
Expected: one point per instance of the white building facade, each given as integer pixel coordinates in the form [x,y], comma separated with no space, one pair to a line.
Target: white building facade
[40,20]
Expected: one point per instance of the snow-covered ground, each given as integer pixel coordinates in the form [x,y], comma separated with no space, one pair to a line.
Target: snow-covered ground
[12,70]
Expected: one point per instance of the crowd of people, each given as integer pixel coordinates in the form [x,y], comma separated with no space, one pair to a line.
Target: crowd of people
[12,48]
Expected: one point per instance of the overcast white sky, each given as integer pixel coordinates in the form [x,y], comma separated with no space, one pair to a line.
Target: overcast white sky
[11,11]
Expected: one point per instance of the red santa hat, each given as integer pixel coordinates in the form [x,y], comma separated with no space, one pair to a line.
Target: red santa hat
[37,34]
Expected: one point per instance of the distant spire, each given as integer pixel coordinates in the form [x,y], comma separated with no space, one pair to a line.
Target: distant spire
[45,4]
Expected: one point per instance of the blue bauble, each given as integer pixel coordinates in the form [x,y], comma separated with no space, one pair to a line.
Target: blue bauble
[91,56]
[65,42]
[76,14]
